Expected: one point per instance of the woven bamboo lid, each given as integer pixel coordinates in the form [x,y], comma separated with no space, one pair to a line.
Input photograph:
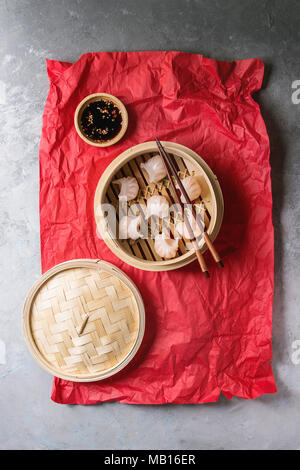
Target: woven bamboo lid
[89,293]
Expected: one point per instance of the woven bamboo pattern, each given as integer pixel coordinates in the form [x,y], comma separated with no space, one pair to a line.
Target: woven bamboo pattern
[59,308]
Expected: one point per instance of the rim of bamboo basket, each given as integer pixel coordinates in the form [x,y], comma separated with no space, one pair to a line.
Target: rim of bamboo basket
[180,151]
[82,263]
[94,97]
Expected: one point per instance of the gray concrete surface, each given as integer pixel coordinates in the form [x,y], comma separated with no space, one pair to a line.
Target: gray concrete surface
[32,30]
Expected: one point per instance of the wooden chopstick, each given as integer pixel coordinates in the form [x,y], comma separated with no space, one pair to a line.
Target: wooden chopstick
[199,255]
[83,325]
[207,239]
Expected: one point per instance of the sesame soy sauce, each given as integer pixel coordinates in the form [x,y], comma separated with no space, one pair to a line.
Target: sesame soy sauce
[101,120]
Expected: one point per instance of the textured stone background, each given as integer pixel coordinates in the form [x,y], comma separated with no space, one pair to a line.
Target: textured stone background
[32,30]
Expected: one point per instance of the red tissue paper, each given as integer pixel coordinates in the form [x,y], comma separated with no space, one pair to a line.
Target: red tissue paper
[203,337]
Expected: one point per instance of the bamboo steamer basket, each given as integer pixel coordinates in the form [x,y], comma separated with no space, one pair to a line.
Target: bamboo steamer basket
[141,253]
[78,292]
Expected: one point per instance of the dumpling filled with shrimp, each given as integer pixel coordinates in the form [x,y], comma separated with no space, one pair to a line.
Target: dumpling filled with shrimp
[157,205]
[155,168]
[192,188]
[129,227]
[182,228]
[129,187]
[165,247]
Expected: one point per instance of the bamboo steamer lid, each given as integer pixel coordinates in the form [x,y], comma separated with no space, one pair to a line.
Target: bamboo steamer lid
[92,294]
[141,253]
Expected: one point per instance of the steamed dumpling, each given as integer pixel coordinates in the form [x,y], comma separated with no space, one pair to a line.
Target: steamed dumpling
[192,188]
[157,205]
[165,247]
[129,187]
[155,168]
[183,231]
[129,227]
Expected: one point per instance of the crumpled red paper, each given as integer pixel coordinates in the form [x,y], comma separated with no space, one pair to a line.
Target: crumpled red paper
[203,337]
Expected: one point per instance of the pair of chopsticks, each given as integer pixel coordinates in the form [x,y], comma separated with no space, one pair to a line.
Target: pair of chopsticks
[171,171]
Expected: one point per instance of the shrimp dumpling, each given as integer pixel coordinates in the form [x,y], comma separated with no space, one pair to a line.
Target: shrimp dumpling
[129,187]
[165,247]
[192,188]
[157,205]
[182,228]
[129,227]
[155,168]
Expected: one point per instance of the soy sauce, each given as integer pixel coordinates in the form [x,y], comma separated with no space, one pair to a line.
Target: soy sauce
[101,120]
